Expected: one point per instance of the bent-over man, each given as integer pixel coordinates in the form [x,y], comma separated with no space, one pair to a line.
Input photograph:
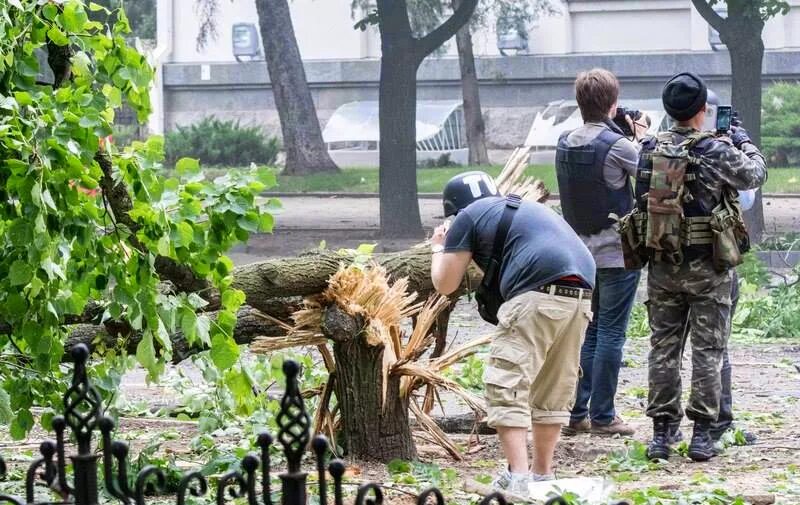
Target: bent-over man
[546,274]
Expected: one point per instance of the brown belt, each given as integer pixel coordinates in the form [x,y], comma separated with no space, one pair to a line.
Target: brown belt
[568,291]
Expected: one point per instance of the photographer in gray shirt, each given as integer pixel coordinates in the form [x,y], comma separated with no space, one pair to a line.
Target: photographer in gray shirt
[594,164]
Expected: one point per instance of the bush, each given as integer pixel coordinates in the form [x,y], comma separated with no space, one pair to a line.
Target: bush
[220,143]
[780,124]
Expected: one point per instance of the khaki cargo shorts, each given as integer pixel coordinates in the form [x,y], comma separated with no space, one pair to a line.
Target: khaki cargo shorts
[534,359]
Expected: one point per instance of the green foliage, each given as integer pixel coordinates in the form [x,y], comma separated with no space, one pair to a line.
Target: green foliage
[638,324]
[443,161]
[233,406]
[124,135]
[422,475]
[221,143]
[785,242]
[759,9]
[695,496]
[151,454]
[753,271]
[767,313]
[734,438]
[64,256]
[632,459]
[141,13]
[469,374]
[780,124]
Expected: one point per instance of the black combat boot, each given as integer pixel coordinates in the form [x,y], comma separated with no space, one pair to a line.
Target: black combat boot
[702,446]
[659,446]
[675,435]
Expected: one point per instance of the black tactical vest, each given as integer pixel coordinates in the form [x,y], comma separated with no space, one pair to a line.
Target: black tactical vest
[586,200]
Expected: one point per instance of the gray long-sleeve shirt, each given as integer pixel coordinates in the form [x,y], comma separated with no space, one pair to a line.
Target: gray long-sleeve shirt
[621,163]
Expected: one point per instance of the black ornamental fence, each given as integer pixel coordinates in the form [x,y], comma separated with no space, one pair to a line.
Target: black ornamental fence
[83,416]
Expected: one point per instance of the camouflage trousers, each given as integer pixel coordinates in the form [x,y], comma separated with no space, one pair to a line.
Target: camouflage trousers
[693,290]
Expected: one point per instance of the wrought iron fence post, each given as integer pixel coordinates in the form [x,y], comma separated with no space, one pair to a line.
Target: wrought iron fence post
[85,468]
[294,435]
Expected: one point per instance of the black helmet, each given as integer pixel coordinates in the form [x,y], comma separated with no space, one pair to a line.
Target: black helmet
[466,188]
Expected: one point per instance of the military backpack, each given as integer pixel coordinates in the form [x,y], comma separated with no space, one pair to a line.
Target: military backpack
[662,231]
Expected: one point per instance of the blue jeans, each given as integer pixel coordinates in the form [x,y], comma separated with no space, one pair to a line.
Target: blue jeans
[601,354]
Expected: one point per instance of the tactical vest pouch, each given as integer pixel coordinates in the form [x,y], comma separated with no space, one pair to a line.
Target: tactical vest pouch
[632,234]
[730,240]
[665,197]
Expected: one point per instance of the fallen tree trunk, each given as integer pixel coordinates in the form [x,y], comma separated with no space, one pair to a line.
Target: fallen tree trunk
[308,274]
[274,288]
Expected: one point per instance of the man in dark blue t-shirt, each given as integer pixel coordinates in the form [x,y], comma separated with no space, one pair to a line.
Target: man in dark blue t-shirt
[546,275]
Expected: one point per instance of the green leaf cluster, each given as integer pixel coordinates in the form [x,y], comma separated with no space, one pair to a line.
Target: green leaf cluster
[780,124]
[65,257]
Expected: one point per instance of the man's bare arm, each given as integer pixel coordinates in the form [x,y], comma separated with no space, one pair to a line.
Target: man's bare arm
[448,270]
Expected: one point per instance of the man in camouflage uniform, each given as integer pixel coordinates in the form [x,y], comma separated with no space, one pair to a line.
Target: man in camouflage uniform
[693,288]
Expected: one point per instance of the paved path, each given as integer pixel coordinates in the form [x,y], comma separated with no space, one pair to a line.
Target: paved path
[305,222]
[314,213]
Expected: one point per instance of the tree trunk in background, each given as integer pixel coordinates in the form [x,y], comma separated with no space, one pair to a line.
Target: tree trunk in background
[401,55]
[741,31]
[397,180]
[302,137]
[743,39]
[473,116]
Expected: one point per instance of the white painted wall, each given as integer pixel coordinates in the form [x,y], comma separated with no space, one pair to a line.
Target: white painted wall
[324,29]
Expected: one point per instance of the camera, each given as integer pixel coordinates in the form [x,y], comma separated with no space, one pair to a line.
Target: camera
[622,124]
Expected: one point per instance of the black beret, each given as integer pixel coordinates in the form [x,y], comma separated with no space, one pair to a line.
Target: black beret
[684,95]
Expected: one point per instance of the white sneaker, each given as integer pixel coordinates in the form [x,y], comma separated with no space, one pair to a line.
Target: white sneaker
[512,485]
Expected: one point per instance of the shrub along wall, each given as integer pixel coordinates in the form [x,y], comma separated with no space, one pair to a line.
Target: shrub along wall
[221,143]
[780,124]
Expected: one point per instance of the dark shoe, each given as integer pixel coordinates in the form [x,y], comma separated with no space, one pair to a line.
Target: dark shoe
[576,427]
[702,446]
[616,427]
[659,446]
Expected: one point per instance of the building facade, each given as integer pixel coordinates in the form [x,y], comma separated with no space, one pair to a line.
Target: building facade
[642,41]
[325,29]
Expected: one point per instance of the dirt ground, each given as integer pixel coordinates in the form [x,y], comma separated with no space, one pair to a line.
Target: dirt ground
[766,392]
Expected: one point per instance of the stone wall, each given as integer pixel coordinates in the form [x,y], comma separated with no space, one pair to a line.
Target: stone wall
[513,88]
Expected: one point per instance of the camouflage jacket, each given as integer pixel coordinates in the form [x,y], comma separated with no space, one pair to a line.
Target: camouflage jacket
[724,166]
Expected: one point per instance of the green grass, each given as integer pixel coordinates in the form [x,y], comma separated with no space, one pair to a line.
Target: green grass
[432,180]
[365,180]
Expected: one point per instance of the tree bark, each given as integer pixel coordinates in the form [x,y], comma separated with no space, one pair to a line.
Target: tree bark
[372,429]
[743,39]
[302,138]
[399,208]
[747,54]
[401,55]
[473,117]
[741,32]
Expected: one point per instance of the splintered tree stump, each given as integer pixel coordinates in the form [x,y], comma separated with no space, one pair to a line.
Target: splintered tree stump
[371,430]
